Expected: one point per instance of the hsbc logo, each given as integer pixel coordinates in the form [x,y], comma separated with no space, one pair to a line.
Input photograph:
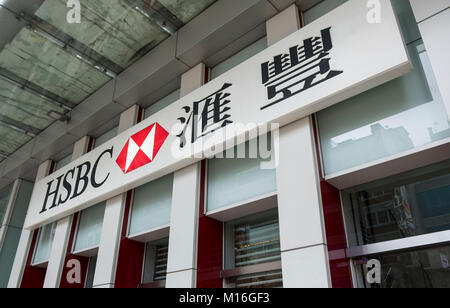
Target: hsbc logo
[142,148]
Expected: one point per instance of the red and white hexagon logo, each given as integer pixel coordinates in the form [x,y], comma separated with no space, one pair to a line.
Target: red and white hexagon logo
[142,148]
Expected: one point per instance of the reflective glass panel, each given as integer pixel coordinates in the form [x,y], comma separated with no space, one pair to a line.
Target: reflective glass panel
[411,204]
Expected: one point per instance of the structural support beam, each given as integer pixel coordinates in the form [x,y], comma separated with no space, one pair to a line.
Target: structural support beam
[20,260]
[304,253]
[182,258]
[105,271]
[62,232]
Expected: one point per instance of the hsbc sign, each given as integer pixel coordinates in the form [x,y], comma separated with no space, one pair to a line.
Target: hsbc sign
[139,151]
[142,148]
[312,69]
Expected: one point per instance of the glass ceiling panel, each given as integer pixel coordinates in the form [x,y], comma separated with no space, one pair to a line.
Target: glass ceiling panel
[22,106]
[11,140]
[114,32]
[36,59]
[110,27]
[186,10]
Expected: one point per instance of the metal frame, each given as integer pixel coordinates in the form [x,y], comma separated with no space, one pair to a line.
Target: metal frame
[69,44]
[421,241]
[252,269]
[36,89]
[153,285]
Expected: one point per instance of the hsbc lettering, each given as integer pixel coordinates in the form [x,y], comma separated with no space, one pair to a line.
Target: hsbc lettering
[74,182]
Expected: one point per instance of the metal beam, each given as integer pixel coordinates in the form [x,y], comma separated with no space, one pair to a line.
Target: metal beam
[19,126]
[68,43]
[158,14]
[36,89]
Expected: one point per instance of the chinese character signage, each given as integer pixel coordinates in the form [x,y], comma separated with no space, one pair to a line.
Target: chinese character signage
[324,63]
[298,70]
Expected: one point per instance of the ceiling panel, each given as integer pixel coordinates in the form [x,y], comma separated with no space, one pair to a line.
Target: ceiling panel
[111,28]
[22,106]
[11,139]
[50,62]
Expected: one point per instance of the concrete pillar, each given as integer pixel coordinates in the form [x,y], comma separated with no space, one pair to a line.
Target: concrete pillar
[182,259]
[433,18]
[105,270]
[62,231]
[304,253]
[23,248]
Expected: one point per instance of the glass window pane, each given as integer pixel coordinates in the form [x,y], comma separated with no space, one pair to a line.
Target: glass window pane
[27,108]
[151,206]
[255,240]
[414,203]
[5,193]
[90,227]
[238,58]
[423,268]
[91,272]
[235,180]
[106,137]
[163,103]
[11,139]
[401,115]
[112,28]
[44,244]
[63,162]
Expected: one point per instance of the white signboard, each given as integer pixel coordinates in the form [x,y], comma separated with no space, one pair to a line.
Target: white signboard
[336,57]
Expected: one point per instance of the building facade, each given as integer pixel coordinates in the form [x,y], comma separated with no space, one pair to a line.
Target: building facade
[358,185]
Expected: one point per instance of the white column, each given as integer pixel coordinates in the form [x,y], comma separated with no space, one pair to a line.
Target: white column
[182,258]
[105,270]
[15,279]
[304,253]
[62,232]
[433,18]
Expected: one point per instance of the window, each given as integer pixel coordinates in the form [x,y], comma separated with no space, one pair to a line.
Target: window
[63,162]
[151,206]
[91,273]
[162,103]
[408,205]
[252,252]
[155,263]
[44,244]
[89,228]
[420,268]
[106,136]
[233,181]
[401,115]
[238,58]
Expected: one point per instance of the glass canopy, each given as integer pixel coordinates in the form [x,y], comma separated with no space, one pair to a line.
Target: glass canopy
[50,65]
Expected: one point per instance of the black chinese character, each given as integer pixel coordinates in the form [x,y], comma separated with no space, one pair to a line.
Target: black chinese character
[206,115]
[303,68]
